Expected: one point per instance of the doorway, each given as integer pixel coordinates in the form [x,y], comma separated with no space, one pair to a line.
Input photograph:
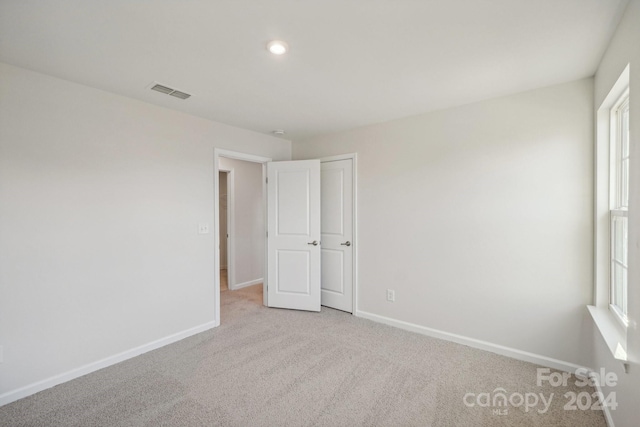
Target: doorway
[245,233]
[245,225]
[346,245]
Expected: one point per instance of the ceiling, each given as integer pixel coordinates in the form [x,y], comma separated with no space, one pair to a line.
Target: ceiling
[351,62]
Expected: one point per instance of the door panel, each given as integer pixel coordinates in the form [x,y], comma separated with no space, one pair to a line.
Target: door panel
[332,268]
[292,195]
[337,234]
[332,188]
[293,272]
[293,260]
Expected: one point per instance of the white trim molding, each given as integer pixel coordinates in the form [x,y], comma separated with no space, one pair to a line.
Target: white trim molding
[612,331]
[608,418]
[246,284]
[513,353]
[28,390]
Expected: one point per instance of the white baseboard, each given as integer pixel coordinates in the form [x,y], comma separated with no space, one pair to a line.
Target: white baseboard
[605,408]
[245,284]
[472,342]
[12,396]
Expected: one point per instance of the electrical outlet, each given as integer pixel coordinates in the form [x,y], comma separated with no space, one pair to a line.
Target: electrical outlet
[391,295]
[203,228]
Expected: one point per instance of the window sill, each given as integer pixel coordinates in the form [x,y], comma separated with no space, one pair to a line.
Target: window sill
[612,331]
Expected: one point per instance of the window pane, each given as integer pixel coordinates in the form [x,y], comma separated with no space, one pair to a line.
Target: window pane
[624,131]
[619,287]
[624,183]
[619,239]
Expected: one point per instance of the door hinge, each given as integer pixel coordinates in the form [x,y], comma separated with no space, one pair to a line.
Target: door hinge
[267,179]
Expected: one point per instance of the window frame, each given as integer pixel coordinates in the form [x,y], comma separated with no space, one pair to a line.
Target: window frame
[605,319]
[618,205]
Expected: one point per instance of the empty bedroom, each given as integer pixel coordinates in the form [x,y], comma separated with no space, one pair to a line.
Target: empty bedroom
[320,213]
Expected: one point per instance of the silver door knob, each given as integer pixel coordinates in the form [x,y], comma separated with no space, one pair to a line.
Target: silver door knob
[347,243]
[314,243]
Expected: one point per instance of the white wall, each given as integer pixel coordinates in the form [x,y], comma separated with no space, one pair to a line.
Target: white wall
[624,50]
[248,232]
[222,191]
[100,201]
[479,217]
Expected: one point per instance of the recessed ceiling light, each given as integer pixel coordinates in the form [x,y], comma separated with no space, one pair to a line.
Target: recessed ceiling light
[278,47]
[278,132]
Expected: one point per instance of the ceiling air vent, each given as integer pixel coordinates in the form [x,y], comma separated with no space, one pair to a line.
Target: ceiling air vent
[179,94]
[169,91]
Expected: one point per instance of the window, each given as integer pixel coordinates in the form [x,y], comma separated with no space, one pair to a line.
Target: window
[611,204]
[619,204]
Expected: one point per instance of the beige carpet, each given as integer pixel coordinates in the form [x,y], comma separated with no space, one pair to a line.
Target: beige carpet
[269,367]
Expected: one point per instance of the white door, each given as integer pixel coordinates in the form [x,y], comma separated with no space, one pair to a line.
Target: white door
[293,235]
[337,234]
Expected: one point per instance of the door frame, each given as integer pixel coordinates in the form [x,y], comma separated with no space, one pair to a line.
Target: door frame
[217,153]
[354,253]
